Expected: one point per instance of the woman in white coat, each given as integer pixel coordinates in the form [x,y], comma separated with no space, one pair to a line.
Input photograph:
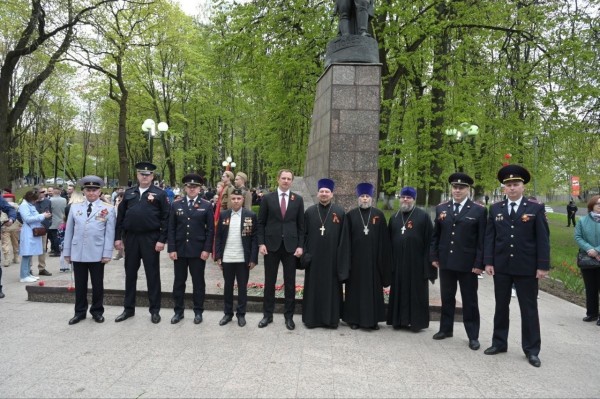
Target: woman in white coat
[29,245]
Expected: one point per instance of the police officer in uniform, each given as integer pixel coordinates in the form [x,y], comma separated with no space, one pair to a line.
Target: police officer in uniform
[190,240]
[88,243]
[517,250]
[457,251]
[142,220]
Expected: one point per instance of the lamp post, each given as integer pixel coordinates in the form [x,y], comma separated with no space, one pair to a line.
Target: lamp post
[228,163]
[535,160]
[465,129]
[150,126]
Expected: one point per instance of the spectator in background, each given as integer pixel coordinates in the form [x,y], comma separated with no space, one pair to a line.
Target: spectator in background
[30,245]
[58,205]
[11,217]
[571,212]
[241,179]
[10,234]
[587,236]
[44,205]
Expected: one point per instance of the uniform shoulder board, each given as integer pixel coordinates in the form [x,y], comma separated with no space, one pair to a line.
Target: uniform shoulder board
[443,203]
[497,202]
[477,203]
[202,200]
[109,205]
[178,200]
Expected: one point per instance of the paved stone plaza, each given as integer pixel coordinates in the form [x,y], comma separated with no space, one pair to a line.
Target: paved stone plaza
[42,356]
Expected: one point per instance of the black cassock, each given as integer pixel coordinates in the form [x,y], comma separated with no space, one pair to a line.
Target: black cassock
[370,267]
[328,253]
[411,268]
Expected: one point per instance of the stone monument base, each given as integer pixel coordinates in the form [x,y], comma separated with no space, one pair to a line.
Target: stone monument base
[352,48]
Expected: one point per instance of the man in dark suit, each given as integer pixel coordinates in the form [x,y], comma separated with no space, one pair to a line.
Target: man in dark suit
[189,240]
[281,239]
[517,250]
[236,253]
[457,251]
[142,220]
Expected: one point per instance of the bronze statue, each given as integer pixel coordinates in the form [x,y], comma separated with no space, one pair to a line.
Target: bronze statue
[354,16]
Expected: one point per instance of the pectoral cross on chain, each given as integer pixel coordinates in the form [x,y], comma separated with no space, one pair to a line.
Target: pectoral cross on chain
[403,229]
[366,230]
[322,230]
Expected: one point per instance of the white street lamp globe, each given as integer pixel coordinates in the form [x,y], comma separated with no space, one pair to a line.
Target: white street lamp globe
[224,163]
[233,165]
[163,127]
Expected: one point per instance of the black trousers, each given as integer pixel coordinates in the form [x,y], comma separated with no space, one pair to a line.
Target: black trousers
[53,238]
[196,267]
[468,291]
[231,272]
[272,260]
[138,247]
[570,219]
[527,290]
[96,272]
[591,281]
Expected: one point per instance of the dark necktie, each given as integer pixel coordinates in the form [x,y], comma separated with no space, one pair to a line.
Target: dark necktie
[513,210]
[89,210]
[191,203]
[282,205]
[456,206]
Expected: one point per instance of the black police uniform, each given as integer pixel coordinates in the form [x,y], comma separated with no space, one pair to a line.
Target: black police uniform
[142,221]
[517,246]
[191,231]
[457,244]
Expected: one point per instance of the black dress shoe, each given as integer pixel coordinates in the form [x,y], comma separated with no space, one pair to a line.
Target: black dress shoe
[241,321]
[198,319]
[590,318]
[354,326]
[442,335]
[493,350]
[598,322]
[289,324]
[226,319]
[534,360]
[44,272]
[474,344]
[76,319]
[375,327]
[2,294]
[98,318]
[124,316]
[155,318]
[265,322]
[177,317]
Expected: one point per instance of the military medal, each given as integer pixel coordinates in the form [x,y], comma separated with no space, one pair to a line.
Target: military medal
[150,197]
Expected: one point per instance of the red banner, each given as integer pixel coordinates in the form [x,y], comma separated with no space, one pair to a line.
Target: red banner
[575,186]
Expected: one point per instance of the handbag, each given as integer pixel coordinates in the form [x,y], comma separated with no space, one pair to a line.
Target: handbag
[39,231]
[584,261]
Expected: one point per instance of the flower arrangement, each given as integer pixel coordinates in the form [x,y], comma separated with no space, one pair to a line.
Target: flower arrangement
[258,289]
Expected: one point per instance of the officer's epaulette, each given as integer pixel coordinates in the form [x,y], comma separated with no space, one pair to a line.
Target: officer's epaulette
[477,203]
[178,200]
[497,202]
[443,203]
[109,205]
[204,201]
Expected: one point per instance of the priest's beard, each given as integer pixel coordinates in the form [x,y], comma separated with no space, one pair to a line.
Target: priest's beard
[365,205]
[406,207]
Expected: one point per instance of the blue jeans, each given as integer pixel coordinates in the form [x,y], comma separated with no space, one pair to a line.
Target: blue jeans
[25,266]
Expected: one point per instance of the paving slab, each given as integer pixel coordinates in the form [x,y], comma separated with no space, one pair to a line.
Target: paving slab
[43,357]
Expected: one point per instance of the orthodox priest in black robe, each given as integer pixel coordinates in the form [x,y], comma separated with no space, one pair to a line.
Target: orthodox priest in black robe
[410,233]
[370,262]
[325,260]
